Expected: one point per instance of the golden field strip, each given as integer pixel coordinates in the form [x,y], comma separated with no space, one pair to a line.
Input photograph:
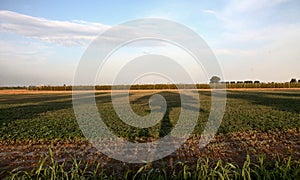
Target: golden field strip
[18,91]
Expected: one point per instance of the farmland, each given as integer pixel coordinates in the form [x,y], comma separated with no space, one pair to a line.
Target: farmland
[256,122]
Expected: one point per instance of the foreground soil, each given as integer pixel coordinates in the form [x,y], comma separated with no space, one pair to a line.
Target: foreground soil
[230,148]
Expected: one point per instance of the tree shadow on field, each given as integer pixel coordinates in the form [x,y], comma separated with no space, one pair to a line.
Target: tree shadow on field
[283,101]
[173,100]
[107,98]
[14,99]
[277,100]
[29,106]
[287,94]
[34,109]
[167,123]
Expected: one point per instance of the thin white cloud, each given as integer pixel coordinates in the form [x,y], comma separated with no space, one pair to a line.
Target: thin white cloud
[244,22]
[59,32]
[263,36]
[279,53]
[240,6]
[255,42]
[244,14]
[209,11]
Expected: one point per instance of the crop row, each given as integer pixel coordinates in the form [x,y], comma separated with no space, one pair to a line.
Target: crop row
[49,168]
[51,116]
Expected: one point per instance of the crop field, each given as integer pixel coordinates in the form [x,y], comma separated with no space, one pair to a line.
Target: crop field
[258,123]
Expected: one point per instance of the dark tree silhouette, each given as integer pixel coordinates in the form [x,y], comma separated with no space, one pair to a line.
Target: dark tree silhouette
[215,79]
[248,82]
[293,80]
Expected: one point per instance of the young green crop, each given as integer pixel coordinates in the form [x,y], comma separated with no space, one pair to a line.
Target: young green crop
[203,169]
[51,116]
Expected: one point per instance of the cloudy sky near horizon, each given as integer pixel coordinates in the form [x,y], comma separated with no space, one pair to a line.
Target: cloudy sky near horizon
[42,41]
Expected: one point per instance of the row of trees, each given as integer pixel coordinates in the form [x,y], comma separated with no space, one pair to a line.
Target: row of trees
[121,87]
[168,86]
[216,79]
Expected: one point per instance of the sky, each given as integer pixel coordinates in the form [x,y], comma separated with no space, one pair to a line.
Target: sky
[42,42]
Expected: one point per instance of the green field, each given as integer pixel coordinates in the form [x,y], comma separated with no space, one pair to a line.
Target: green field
[262,123]
[51,116]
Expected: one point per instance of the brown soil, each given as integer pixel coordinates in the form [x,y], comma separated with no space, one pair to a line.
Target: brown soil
[229,148]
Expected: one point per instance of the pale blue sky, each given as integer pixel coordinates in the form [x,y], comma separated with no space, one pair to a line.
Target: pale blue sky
[42,41]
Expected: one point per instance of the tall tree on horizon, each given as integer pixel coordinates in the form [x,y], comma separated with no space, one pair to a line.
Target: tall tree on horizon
[214,79]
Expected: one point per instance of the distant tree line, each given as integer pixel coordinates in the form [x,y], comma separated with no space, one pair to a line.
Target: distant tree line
[230,85]
[12,87]
[293,80]
[50,88]
[215,82]
[263,85]
[121,87]
[256,84]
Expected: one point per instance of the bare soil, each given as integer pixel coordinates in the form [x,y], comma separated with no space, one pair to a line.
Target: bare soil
[230,148]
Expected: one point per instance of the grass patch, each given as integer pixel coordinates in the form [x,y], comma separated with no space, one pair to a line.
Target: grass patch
[49,168]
